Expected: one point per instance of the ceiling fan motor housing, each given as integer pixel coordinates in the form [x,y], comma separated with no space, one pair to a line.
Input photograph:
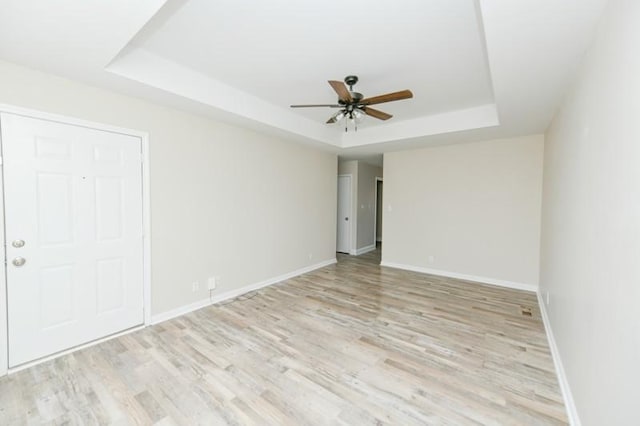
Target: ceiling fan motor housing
[357,97]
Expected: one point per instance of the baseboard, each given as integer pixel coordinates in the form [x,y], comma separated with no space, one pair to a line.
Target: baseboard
[185,309]
[483,280]
[164,316]
[569,403]
[363,250]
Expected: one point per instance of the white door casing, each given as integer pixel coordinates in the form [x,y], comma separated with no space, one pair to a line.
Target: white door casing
[74,196]
[343,237]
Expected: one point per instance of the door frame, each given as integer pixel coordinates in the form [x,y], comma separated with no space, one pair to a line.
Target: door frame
[146,230]
[375,210]
[350,239]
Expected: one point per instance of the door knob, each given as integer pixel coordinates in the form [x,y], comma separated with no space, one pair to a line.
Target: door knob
[19,261]
[17,243]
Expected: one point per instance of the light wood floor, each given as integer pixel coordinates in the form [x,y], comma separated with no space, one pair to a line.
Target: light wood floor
[349,344]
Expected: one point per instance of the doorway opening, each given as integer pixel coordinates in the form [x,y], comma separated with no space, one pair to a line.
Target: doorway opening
[377,228]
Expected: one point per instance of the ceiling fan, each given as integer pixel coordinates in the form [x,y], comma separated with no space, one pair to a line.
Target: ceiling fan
[354,105]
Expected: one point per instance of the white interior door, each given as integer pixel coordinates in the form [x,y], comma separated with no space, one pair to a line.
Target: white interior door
[343,237]
[73,218]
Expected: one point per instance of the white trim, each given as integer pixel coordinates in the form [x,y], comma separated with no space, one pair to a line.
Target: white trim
[42,115]
[185,309]
[146,220]
[4,326]
[73,349]
[569,403]
[146,228]
[483,280]
[236,292]
[363,250]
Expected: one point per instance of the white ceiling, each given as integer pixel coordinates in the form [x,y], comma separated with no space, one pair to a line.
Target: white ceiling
[284,52]
[477,68]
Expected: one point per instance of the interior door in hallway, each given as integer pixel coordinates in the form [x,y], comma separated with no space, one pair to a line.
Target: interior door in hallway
[73,218]
[343,238]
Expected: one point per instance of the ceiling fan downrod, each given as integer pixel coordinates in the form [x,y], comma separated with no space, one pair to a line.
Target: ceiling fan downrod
[350,81]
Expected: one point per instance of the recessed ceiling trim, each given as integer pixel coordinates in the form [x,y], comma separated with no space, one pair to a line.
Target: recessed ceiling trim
[150,69]
[452,121]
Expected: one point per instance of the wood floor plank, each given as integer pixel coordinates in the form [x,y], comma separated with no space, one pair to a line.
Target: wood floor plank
[351,343]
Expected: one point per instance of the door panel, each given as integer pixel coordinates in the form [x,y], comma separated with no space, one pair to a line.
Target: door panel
[109,208]
[56,288]
[110,284]
[343,238]
[54,208]
[74,196]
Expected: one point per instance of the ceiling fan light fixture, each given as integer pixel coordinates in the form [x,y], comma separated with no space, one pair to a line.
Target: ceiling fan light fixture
[354,106]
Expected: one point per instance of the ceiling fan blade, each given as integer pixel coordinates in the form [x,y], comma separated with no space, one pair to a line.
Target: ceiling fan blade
[341,90]
[316,106]
[376,113]
[389,97]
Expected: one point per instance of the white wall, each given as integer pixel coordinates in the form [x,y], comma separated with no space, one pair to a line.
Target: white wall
[225,201]
[590,255]
[466,210]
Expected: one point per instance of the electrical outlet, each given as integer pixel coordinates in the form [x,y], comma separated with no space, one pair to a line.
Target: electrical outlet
[310,256]
[211,284]
[195,286]
[431,259]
